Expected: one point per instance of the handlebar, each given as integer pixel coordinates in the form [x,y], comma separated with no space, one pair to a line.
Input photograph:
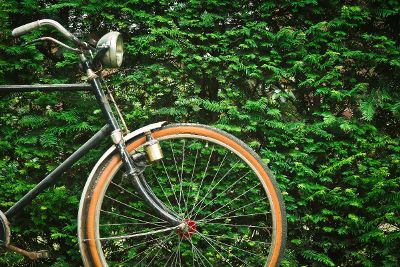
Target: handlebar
[25,28]
[39,23]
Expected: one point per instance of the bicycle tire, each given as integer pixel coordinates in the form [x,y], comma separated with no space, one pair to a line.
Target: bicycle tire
[103,242]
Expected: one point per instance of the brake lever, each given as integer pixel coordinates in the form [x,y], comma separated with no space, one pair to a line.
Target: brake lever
[31,42]
[51,40]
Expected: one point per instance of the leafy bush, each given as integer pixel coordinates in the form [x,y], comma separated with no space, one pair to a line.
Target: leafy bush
[311,85]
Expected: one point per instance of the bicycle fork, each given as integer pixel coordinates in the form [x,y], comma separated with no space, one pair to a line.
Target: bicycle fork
[152,148]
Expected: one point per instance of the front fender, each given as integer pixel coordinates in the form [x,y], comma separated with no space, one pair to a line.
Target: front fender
[89,182]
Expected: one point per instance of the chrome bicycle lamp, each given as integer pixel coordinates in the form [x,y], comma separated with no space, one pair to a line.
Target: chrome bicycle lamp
[114,55]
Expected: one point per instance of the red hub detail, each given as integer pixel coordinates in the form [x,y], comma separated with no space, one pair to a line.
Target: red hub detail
[188,230]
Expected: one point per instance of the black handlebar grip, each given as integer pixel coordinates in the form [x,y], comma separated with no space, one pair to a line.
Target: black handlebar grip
[25,28]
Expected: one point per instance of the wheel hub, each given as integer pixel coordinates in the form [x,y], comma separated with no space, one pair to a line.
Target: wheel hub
[187,230]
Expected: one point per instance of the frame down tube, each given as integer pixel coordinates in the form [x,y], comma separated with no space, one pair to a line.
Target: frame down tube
[55,175]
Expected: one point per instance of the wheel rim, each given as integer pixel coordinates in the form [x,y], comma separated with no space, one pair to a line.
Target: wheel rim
[207,212]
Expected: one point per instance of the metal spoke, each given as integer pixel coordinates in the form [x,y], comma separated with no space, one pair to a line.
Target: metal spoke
[244,206]
[131,218]
[215,242]
[181,193]
[175,259]
[154,247]
[177,174]
[124,189]
[226,237]
[170,183]
[179,253]
[230,245]
[191,179]
[162,188]
[159,230]
[180,257]
[240,225]
[234,216]
[236,198]
[218,195]
[192,253]
[195,250]
[137,254]
[201,183]
[155,256]
[136,245]
[166,263]
[213,179]
[205,238]
[115,224]
[200,254]
[151,248]
[220,180]
[126,205]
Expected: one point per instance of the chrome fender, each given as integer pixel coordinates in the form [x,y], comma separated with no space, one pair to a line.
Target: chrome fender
[85,191]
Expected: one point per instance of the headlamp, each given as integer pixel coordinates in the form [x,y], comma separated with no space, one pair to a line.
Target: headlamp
[114,55]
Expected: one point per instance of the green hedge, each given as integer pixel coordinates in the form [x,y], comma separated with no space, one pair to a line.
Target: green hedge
[313,86]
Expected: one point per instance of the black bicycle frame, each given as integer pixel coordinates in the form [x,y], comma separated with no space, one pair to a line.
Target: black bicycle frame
[55,175]
[112,128]
[46,87]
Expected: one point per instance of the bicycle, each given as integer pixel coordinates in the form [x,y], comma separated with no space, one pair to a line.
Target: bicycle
[164,194]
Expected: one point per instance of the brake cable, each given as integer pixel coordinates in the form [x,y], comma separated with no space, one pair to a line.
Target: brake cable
[109,93]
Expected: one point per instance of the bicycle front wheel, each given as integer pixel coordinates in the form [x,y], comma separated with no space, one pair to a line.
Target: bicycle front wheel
[225,196]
